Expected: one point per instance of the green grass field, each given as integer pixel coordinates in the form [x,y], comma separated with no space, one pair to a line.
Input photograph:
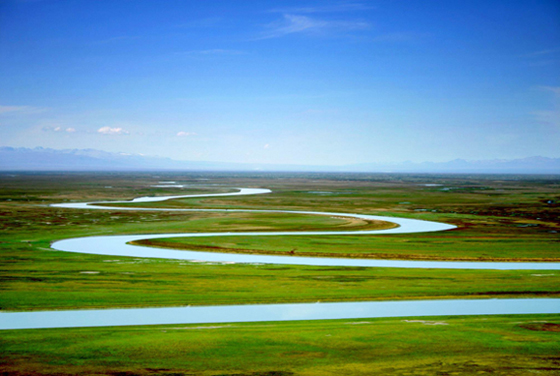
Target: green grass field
[509,218]
[491,345]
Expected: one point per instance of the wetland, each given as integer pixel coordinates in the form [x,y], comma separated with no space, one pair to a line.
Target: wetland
[507,218]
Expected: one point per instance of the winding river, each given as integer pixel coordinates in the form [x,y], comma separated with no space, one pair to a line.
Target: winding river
[117,245]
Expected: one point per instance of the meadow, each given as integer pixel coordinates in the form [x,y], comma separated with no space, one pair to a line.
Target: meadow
[492,345]
[506,218]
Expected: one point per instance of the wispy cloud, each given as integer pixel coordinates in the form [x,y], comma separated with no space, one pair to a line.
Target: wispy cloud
[543,63]
[21,109]
[328,8]
[185,134]
[112,131]
[549,117]
[542,58]
[552,89]
[6,109]
[215,51]
[400,37]
[203,22]
[123,38]
[542,52]
[552,115]
[293,24]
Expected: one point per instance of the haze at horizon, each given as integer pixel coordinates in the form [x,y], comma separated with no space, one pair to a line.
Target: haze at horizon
[314,82]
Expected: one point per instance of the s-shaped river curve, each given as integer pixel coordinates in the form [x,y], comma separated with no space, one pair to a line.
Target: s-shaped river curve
[116,245]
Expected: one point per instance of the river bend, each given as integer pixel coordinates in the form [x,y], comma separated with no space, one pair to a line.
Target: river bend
[117,246]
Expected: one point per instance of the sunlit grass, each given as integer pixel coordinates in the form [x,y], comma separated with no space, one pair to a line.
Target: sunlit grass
[497,345]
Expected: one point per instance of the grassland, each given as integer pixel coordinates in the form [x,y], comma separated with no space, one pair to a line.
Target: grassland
[452,246]
[492,345]
[499,217]
[41,280]
[497,221]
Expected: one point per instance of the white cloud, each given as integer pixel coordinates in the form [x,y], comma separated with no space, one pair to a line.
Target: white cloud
[59,129]
[185,134]
[292,23]
[112,131]
[266,146]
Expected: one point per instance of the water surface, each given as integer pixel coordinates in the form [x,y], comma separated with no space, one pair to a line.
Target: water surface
[273,312]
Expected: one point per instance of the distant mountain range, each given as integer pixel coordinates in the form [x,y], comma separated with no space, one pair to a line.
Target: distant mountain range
[44,159]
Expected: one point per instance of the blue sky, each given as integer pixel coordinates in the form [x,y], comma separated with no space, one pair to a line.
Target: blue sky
[302,82]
